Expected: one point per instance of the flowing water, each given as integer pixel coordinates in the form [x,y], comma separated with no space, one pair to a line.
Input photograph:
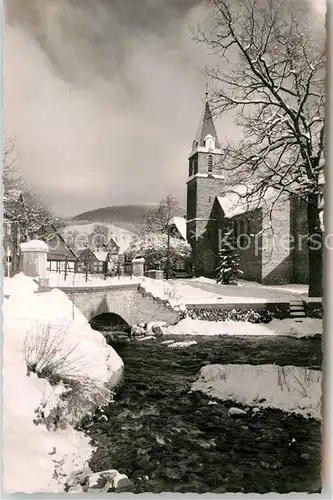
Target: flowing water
[166,438]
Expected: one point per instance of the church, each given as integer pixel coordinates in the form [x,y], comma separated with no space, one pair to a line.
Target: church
[271,237]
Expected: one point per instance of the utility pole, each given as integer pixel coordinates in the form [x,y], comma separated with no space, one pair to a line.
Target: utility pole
[168,242]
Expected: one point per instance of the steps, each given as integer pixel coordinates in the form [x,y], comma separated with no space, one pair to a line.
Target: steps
[296,308]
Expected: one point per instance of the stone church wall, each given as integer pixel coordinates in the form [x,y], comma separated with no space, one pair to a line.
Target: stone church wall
[250,255]
[277,248]
[298,214]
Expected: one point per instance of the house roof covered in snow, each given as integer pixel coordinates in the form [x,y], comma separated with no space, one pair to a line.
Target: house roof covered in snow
[180,223]
[12,201]
[101,255]
[59,249]
[113,245]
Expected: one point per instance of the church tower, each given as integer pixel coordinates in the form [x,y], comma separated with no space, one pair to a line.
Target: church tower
[204,183]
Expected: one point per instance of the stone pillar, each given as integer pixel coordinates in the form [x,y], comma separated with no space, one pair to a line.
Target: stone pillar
[158,274]
[138,267]
[155,274]
[34,260]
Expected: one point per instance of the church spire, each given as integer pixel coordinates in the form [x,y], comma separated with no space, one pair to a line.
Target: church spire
[206,126]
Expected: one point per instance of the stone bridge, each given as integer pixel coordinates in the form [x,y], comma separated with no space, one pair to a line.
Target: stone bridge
[129,301]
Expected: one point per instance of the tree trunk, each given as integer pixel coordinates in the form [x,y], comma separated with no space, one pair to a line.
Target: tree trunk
[168,255]
[315,248]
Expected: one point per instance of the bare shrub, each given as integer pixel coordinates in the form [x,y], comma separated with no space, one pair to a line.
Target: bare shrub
[47,355]
[170,292]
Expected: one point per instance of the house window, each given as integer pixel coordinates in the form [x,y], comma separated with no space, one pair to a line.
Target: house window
[180,265]
[209,199]
[210,164]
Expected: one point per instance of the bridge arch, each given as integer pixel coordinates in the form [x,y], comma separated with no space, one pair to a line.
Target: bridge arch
[109,322]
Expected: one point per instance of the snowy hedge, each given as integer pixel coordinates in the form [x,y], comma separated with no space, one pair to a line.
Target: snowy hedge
[242,314]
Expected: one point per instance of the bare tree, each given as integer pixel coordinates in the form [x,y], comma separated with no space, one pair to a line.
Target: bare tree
[272,77]
[34,219]
[157,221]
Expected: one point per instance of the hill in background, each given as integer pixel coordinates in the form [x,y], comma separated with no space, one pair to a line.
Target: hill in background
[129,217]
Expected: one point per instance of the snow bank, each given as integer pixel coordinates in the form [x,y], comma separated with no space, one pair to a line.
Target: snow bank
[288,388]
[36,460]
[186,343]
[286,327]
[177,293]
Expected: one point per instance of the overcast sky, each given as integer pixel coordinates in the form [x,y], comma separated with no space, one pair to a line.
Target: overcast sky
[104,97]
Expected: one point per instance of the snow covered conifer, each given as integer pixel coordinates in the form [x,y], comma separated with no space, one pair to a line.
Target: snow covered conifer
[227,271]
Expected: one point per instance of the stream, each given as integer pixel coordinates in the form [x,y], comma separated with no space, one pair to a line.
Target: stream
[166,438]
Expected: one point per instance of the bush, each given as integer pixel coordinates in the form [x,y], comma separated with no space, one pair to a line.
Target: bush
[249,315]
[315,312]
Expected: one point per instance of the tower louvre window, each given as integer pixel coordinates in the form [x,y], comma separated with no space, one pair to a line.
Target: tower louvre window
[210,164]
[190,172]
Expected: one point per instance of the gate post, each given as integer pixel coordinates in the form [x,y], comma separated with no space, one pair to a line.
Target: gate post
[34,260]
[138,267]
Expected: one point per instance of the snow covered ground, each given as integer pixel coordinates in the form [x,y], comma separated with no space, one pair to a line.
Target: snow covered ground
[35,459]
[178,293]
[289,388]
[286,327]
[292,288]
[207,291]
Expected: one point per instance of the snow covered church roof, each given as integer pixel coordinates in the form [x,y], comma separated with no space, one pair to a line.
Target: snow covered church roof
[240,200]
[180,223]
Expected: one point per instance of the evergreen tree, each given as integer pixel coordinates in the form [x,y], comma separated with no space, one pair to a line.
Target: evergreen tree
[227,271]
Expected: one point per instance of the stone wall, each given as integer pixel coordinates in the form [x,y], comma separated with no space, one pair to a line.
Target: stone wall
[277,249]
[250,255]
[299,230]
[128,301]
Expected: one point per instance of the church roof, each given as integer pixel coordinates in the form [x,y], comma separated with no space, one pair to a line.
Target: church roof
[235,202]
[180,223]
[206,127]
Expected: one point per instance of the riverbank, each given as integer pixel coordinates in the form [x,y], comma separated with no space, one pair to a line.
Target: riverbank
[167,438]
[55,370]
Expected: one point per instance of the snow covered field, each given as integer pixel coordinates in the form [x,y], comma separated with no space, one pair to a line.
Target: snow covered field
[289,388]
[286,327]
[35,459]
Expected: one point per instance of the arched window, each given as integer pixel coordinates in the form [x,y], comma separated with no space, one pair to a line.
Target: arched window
[209,142]
[210,164]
